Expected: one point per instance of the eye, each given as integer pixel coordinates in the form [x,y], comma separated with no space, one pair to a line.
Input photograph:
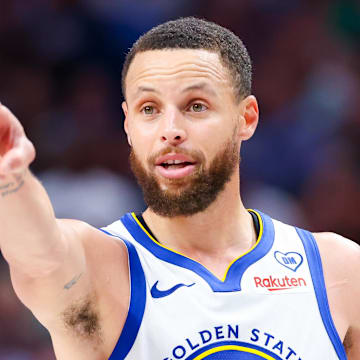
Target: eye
[148,110]
[198,107]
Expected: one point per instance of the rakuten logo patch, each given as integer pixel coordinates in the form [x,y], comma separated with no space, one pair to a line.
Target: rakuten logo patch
[275,284]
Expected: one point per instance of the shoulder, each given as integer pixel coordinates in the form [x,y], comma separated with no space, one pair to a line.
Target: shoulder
[90,237]
[107,297]
[341,264]
[338,252]
[101,254]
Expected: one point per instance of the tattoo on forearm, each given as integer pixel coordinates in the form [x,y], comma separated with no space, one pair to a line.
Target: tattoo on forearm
[6,186]
[12,186]
[71,283]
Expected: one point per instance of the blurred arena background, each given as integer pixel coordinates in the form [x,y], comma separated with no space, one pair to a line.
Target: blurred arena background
[60,64]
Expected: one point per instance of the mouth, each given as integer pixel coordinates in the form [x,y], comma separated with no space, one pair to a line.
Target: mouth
[175,166]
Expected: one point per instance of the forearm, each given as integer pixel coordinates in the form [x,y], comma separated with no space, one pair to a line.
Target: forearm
[30,237]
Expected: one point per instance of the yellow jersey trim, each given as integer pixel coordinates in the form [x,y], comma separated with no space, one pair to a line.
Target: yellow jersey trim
[234,347]
[176,252]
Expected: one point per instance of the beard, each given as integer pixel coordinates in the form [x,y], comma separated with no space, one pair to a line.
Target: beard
[191,194]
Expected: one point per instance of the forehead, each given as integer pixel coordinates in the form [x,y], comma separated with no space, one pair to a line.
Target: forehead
[157,67]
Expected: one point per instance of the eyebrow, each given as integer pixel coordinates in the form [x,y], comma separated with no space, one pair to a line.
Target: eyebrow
[141,89]
[201,86]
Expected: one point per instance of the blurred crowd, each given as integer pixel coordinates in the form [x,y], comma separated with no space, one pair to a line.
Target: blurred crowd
[60,66]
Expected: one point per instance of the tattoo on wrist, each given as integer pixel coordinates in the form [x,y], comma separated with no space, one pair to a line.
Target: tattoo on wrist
[71,283]
[12,186]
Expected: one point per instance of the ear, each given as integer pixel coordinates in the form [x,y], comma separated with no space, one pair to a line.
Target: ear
[126,123]
[249,111]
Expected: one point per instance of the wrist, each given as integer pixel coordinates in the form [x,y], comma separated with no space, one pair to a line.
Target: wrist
[12,183]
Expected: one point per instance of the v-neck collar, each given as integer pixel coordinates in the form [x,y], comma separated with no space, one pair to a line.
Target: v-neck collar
[232,278]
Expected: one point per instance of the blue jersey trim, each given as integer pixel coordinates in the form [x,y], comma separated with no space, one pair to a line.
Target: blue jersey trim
[137,304]
[316,270]
[236,270]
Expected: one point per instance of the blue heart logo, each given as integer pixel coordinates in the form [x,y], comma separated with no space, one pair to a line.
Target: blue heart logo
[291,260]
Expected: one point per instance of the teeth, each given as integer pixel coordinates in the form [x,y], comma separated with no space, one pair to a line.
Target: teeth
[172,162]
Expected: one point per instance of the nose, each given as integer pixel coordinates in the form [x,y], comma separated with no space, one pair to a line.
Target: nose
[173,132]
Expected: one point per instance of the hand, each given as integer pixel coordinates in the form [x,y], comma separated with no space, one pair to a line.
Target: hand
[16,150]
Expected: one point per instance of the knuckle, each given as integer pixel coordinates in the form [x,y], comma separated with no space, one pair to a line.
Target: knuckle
[29,152]
[30,146]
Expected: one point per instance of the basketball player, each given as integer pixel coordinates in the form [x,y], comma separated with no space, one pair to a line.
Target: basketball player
[196,276]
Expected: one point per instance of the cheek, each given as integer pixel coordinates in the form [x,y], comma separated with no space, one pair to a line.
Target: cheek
[211,139]
[141,138]
[145,129]
[141,151]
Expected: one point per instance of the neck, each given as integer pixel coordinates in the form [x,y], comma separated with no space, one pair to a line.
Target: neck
[225,227]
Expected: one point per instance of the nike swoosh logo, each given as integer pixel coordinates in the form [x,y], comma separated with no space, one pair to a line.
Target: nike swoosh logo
[156,293]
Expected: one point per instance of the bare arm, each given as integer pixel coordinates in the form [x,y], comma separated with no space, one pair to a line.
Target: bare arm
[60,269]
[30,237]
[44,254]
[341,262]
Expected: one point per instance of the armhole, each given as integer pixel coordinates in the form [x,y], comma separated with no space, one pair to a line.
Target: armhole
[136,306]
[317,275]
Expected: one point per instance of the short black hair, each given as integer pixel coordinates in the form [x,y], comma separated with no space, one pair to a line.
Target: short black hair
[194,33]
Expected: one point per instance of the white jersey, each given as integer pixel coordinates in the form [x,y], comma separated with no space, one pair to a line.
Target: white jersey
[271,304]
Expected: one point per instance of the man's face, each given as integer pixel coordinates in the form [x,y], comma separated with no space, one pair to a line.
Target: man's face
[183,124]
